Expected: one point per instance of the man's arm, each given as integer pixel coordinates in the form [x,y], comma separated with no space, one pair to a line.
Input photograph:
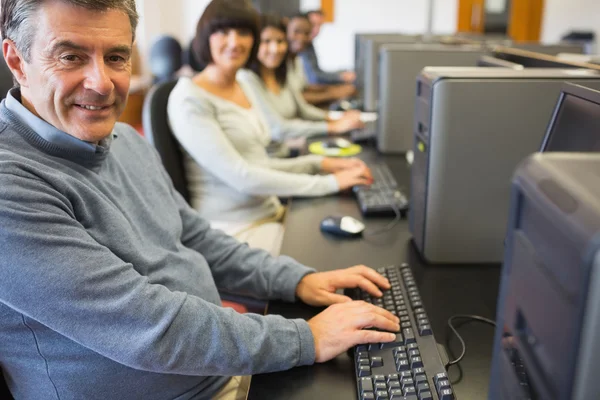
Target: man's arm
[55,273]
[314,73]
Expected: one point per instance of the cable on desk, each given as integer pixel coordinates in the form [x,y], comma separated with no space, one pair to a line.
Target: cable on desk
[390,225]
[470,318]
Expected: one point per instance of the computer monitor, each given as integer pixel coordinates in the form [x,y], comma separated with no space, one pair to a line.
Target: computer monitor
[531,59]
[489,61]
[575,122]
[548,318]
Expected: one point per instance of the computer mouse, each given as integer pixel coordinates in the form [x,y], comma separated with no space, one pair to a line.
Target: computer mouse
[337,143]
[345,226]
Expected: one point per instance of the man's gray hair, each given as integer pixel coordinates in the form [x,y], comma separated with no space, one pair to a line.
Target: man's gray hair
[18,22]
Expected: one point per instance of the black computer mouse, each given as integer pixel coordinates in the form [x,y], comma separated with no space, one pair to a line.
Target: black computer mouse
[337,143]
[345,226]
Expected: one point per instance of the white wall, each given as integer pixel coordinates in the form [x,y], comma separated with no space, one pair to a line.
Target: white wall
[561,16]
[335,44]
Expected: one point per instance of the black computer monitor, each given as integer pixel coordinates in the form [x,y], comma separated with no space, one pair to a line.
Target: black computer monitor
[575,122]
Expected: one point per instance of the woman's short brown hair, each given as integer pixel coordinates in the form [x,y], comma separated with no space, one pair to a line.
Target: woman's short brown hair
[224,14]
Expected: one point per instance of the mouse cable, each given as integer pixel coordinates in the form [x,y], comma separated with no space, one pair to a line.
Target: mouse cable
[469,318]
[390,225]
[386,228]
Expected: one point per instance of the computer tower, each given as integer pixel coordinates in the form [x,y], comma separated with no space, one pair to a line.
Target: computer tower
[548,317]
[368,71]
[472,128]
[399,66]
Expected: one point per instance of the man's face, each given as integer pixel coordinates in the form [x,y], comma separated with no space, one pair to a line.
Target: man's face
[298,34]
[77,78]
[316,21]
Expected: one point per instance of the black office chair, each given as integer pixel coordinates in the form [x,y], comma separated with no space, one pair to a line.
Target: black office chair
[165,58]
[190,59]
[4,392]
[6,79]
[158,132]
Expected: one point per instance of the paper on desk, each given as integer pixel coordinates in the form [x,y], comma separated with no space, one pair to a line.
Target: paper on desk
[364,116]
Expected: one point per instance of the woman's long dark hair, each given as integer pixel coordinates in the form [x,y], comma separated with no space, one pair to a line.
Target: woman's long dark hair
[272,21]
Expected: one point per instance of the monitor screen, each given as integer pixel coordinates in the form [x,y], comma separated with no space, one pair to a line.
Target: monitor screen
[575,126]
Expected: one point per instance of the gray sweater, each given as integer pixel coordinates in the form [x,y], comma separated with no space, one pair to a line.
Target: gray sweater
[109,279]
[230,175]
[286,112]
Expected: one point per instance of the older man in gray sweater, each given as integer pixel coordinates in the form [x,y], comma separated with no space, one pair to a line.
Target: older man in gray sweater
[109,279]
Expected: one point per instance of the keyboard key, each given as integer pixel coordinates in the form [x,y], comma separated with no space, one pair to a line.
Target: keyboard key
[405,374]
[423,387]
[398,349]
[407,382]
[411,346]
[420,379]
[410,390]
[446,394]
[366,385]
[409,336]
[379,378]
[418,371]
[425,396]
[442,384]
[363,362]
[392,385]
[396,394]
[368,396]
[392,377]
[376,362]
[439,376]
[382,395]
[425,330]
[402,365]
[364,370]
[416,362]
[380,386]
[414,353]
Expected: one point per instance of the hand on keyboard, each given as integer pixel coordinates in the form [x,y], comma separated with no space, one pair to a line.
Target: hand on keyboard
[349,121]
[344,325]
[330,164]
[348,178]
[320,289]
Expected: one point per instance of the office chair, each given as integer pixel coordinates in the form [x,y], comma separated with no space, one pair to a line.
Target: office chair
[159,134]
[6,79]
[190,59]
[4,392]
[165,58]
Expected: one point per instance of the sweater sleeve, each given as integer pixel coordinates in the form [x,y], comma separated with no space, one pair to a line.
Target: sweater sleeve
[194,123]
[314,74]
[306,110]
[281,128]
[55,273]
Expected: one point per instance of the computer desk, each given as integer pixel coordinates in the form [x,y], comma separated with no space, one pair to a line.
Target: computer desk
[445,290]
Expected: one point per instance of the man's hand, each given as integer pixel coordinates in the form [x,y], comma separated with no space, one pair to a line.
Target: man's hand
[342,326]
[348,76]
[320,289]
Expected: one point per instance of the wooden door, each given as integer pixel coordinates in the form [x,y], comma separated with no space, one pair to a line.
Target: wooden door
[471,16]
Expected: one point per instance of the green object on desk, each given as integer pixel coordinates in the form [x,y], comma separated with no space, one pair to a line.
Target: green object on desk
[319,149]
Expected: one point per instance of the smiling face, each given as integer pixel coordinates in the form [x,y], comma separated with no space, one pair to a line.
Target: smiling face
[298,34]
[273,47]
[77,76]
[230,48]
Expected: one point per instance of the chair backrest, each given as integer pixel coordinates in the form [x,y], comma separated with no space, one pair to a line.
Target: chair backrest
[4,392]
[158,132]
[6,79]
[190,59]
[165,58]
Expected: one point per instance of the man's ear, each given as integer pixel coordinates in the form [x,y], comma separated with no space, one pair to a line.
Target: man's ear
[15,61]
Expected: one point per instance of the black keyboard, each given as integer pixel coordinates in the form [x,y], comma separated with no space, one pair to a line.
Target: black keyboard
[410,368]
[379,198]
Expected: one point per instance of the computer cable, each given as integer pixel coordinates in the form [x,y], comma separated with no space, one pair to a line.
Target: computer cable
[390,225]
[468,318]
